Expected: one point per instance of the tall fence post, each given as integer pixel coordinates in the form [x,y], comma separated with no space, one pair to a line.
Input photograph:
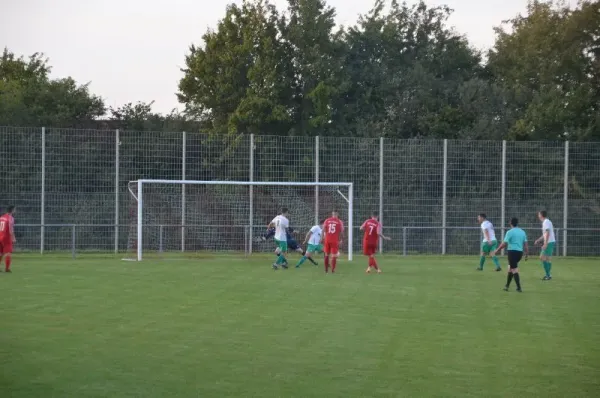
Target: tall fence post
[566,198]
[43,193]
[503,194]
[117,156]
[183,177]
[317,166]
[381,189]
[251,193]
[444,195]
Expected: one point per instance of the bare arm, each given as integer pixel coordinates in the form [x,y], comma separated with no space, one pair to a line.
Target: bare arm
[308,235]
[502,246]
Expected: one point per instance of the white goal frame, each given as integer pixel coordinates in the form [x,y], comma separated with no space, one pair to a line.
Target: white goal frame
[250,184]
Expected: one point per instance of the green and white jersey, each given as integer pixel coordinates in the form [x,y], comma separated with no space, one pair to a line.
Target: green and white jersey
[315,235]
[547,226]
[489,227]
[281,225]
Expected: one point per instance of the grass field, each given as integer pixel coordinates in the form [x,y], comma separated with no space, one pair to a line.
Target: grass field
[227,326]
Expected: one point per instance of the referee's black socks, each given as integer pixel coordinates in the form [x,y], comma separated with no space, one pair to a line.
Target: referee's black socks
[509,279]
[518,280]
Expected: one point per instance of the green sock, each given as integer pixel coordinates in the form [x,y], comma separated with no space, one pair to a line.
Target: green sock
[546,269]
[302,260]
[481,261]
[280,259]
[496,262]
[549,268]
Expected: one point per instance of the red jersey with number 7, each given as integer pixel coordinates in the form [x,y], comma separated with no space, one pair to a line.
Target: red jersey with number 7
[372,230]
[7,223]
[333,228]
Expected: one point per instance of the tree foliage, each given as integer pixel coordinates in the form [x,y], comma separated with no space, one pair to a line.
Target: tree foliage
[28,97]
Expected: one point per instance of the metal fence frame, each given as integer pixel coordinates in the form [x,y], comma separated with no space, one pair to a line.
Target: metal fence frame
[317,178]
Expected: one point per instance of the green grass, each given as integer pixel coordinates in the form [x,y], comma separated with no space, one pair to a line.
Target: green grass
[225,326]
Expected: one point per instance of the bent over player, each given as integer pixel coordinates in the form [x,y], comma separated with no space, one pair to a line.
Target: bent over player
[516,242]
[313,239]
[333,228]
[7,236]
[372,229]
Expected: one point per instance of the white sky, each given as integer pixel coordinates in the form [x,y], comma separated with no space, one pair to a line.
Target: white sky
[132,50]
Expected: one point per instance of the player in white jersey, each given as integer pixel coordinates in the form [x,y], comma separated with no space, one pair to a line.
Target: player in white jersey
[281,225]
[549,242]
[313,238]
[489,243]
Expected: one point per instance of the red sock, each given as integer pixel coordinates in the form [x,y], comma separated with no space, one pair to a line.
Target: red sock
[374,263]
[7,261]
[333,264]
[326,263]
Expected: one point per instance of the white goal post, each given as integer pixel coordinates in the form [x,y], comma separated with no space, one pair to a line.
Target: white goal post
[251,201]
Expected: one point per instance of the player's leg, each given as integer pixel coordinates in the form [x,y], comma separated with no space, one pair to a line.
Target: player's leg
[284,249]
[485,250]
[494,258]
[546,257]
[334,256]
[327,252]
[6,251]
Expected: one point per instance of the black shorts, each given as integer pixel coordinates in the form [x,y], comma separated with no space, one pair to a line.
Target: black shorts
[514,256]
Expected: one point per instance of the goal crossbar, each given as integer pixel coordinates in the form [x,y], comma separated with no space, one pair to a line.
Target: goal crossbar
[140,208]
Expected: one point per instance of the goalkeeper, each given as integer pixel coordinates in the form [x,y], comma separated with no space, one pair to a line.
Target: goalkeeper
[292,243]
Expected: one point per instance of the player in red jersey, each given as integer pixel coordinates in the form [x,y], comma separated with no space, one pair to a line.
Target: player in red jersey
[7,236]
[372,231]
[333,230]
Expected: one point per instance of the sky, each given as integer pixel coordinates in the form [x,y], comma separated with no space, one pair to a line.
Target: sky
[133,50]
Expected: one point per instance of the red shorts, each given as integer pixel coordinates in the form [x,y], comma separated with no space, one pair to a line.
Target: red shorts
[6,247]
[332,247]
[369,248]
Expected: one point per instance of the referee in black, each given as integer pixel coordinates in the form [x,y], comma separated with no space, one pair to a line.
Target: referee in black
[515,241]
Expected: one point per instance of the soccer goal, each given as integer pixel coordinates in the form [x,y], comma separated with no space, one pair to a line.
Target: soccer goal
[227,216]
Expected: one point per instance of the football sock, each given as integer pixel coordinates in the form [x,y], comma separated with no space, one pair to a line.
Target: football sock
[481,261]
[546,268]
[302,260]
[518,280]
[7,261]
[496,262]
[549,268]
[509,279]
[280,259]
[333,264]
[374,264]
[326,263]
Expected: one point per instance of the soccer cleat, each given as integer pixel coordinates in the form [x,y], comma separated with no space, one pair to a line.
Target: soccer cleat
[498,269]
[520,290]
[547,278]
[284,266]
[275,267]
[379,271]
[505,288]
[479,269]
[368,271]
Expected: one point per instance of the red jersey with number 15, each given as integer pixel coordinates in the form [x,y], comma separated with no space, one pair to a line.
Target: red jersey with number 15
[372,230]
[333,228]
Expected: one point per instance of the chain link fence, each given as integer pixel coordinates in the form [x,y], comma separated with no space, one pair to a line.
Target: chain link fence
[70,186]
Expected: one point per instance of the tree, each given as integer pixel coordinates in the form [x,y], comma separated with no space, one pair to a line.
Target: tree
[239,79]
[549,62]
[406,68]
[28,97]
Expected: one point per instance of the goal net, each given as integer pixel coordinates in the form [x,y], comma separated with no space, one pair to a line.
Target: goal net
[227,216]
